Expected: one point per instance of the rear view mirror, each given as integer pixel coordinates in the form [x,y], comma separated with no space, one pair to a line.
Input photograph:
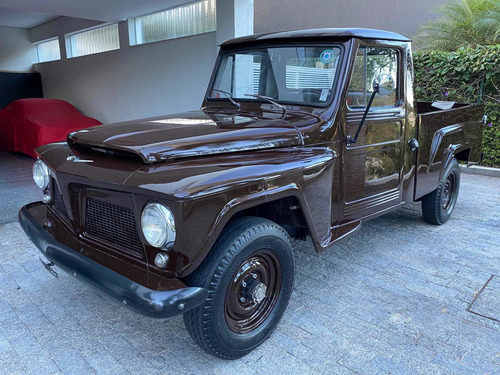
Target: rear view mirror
[384,84]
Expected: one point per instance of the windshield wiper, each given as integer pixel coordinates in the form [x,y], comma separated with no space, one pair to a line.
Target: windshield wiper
[270,100]
[229,95]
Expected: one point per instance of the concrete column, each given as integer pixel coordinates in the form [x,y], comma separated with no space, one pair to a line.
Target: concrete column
[234,19]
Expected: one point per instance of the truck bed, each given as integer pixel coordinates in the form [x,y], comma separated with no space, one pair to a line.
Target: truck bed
[426,107]
[443,134]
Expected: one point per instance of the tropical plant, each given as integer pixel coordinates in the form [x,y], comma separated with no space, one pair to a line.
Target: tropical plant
[465,23]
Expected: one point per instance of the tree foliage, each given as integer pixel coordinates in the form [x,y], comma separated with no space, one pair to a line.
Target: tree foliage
[466,75]
[464,23]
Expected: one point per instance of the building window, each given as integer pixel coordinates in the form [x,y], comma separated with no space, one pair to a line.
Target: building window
[185,20]
[48,50]
[97,40]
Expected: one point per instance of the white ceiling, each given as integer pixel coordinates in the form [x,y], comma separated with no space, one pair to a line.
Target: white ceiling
[29,13]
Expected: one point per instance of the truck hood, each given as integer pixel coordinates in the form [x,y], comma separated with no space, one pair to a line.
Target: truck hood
[189,134]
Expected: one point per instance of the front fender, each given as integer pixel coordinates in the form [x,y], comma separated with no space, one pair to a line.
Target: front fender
[306,175]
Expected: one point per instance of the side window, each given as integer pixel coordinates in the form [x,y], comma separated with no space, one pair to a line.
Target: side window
[369,63]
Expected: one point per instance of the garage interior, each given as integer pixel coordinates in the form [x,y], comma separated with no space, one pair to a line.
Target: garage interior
[109,60]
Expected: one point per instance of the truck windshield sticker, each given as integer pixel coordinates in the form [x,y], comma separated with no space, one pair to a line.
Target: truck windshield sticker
[324,95]
[326,56]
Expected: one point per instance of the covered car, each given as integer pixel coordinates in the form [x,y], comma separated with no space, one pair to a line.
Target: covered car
[26,124]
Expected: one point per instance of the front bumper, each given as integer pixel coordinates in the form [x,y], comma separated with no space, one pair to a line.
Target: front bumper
[149,302]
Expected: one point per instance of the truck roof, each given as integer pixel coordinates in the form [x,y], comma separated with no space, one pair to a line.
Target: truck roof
[310,34]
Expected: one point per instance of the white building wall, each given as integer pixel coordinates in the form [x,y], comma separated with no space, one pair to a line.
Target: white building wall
[132,82]
[404,17]
[235,18]
[17,53]
[139,81]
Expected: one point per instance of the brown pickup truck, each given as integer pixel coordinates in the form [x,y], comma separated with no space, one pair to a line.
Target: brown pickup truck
[301,133]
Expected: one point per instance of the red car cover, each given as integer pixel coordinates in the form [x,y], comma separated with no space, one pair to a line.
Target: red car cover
[26,124]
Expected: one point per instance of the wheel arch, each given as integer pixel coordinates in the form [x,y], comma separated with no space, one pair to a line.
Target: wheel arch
[454,151]
[286,206]
[285,211]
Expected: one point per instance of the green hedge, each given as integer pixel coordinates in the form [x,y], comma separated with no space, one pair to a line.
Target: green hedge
[466,75]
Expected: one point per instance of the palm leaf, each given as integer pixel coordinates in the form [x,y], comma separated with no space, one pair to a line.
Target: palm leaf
[463,23]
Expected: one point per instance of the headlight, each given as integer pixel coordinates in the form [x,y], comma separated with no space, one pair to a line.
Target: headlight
[41,174]
[158,225]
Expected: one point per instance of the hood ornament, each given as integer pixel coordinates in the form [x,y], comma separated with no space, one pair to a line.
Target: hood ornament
[77,159]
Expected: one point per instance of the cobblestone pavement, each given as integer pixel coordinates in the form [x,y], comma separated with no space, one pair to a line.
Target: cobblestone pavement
[392,298]
[16,185]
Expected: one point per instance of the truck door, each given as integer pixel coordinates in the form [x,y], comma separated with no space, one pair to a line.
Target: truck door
[372,166]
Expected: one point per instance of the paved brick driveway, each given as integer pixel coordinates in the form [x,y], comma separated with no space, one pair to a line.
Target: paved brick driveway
[390,299]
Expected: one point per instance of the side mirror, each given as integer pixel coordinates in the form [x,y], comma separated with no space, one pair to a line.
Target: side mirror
[384,84]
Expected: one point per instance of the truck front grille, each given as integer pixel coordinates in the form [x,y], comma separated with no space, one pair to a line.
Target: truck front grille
[59,205]
[114,225]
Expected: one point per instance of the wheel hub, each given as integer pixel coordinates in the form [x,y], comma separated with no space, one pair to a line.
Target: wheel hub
[259,292]
[253,292]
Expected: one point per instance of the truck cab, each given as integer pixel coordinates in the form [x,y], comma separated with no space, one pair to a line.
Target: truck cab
[301,133]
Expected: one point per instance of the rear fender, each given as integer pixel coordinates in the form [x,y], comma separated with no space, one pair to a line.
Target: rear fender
[437,141]
[445,144]
[448,155]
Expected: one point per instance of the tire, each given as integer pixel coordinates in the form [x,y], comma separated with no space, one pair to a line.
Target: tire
[438,205]
[250,252]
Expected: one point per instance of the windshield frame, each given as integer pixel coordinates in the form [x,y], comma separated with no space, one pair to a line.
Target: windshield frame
[253,47]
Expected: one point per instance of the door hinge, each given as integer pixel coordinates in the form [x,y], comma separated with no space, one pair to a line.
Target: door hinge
[413,143]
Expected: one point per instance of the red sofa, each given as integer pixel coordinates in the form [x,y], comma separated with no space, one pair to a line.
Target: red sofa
[26,124]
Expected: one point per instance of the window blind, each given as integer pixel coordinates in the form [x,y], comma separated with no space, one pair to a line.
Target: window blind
[48,51]
[185,20]
[97,40]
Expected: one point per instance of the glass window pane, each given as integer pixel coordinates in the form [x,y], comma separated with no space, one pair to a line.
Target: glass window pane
[298,74]
[369,63]
[95,41]
[48,51]
[190,19]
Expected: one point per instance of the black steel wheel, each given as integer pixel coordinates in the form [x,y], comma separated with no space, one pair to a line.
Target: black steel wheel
[438,205]
[249,275]
[253,291]
[448,191]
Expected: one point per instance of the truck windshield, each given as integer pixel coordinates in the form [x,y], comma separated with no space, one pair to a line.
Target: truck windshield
[289,75]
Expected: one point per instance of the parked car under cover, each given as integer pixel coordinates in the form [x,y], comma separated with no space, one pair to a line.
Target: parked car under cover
[27,124]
